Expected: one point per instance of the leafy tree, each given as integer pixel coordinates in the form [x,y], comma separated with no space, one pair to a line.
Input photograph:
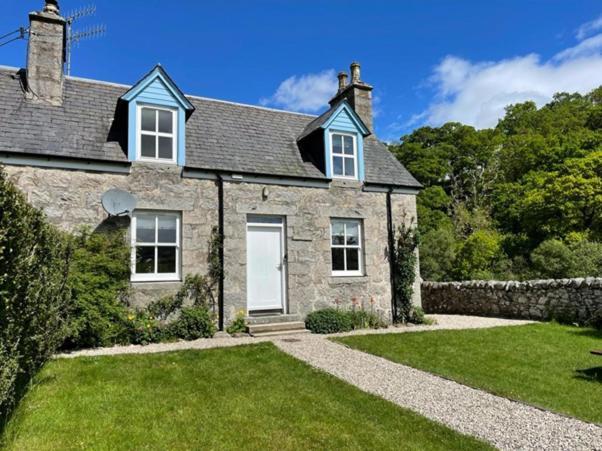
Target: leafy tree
[494,196]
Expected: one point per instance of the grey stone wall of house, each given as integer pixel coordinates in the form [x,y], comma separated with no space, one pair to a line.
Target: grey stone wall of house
[566,299]
[71,199]
[307,212]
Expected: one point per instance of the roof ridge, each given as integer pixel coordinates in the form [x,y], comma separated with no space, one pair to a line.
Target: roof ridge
[209,99]
[192,96]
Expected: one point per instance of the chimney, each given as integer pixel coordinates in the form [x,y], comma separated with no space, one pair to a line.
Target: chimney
[342,81]
[357,93]
[46,55]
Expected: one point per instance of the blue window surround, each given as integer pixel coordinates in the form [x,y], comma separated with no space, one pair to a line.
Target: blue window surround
[157,89]
[346,121]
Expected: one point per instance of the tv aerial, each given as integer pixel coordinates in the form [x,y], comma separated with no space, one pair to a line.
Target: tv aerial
[117,202]
[73,38]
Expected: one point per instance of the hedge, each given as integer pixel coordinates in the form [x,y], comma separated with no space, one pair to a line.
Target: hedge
[34,299]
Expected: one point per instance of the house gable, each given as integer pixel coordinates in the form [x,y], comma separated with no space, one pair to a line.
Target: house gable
[157,89]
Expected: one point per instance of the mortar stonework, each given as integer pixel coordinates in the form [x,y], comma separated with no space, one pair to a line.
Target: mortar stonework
[71,199]
[307,213]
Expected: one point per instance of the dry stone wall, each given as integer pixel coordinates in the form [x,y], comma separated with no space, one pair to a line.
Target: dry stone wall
[563,299]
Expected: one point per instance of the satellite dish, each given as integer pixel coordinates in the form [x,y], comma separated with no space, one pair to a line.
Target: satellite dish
[117,202]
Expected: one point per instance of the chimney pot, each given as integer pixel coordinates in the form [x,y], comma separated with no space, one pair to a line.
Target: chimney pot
[355,72]
[52,7]
[342,80]
[358,94]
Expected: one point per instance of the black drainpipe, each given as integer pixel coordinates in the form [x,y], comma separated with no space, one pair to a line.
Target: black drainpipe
[220,227]
[391,239]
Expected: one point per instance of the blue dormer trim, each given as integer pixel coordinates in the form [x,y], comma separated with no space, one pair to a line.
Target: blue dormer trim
[344,120]
[157,89]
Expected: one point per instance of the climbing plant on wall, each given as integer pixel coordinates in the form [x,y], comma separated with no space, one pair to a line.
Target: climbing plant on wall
[404,270]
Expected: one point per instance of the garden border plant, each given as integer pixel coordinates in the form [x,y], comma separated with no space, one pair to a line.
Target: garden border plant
[34,299]
[332,320]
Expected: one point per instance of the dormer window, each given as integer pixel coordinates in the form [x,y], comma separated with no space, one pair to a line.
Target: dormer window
[157,137]
[157,114]
[344,155]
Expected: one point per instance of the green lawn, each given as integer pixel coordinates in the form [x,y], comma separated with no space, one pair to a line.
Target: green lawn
[252,397]
[547,365]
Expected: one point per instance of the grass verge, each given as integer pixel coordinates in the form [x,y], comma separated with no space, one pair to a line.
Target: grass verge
[252,397]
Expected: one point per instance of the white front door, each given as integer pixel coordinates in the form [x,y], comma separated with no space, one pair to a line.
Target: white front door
[265,263]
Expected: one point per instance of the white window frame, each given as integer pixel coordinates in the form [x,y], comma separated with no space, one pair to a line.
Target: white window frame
[344,155]
[345,246]
[155,276]
[173,135]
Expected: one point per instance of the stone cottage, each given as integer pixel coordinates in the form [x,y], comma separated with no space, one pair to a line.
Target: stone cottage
[306,205]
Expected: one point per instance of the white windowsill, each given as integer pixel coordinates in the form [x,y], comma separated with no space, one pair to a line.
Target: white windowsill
[143,278]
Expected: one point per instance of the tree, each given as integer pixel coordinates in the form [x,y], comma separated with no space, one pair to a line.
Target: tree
[536,176]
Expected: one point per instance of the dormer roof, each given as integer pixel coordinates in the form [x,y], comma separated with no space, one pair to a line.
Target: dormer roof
[325,119]
[159,73]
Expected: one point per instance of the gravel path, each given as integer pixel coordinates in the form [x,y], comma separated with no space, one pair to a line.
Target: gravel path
[224,340]
[503,423]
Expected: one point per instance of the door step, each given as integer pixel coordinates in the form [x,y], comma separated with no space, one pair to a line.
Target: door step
[256,319]
[276,328]
[281,333]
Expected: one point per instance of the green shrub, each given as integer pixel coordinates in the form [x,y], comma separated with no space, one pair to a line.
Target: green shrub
[364,319]
[99,281]
[328,321]
[239,324]
[143,329]
[437,254]
[34,300]
[555,259]
[478,255]
[193,323]
[417,316]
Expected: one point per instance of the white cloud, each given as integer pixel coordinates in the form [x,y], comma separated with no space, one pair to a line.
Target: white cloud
[307,93]
[476,93]
[589,27]
[588,47]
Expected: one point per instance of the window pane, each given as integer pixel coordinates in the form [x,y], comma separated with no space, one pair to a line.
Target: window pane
[337,143]
[338,233]
[145,229]
[167,229]
[349,167]
[165,121]
[338,259]
[353,233]
[147,148]
[165,147]
[166,260]
[348,149]
[353,263]
[337,166]
[148,120]
[145,260]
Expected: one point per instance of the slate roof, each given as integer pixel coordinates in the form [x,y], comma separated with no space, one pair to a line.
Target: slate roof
[319,121]
[92,124]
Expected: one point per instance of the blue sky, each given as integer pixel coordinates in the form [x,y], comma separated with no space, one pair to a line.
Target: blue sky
[429,61]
